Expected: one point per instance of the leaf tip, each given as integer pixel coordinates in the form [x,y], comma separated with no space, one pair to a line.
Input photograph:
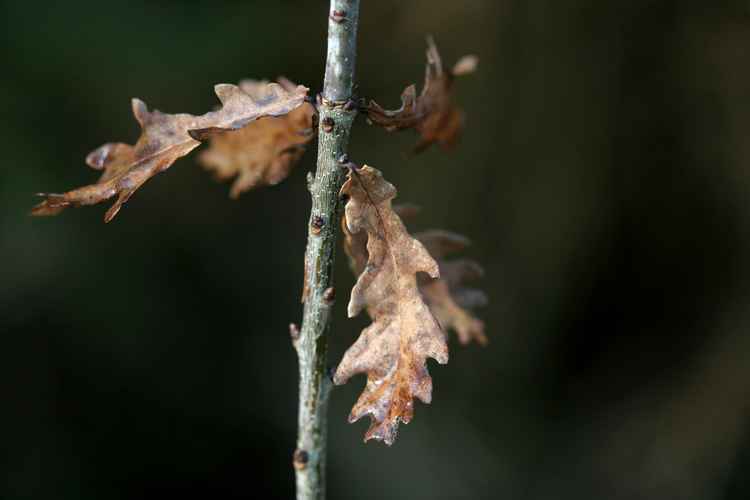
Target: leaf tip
[339,379]
[140,110]
[466,65]
[52,205]
[43,209]
[225,91]
[441,357]
[384,432]
[111,213]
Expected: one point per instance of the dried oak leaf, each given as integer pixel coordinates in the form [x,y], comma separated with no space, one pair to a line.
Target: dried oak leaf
[433,114]
[263,152]
[165,138]
[393,350]
[447,296]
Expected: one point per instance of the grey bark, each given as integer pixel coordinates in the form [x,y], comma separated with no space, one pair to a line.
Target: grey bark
[336,116]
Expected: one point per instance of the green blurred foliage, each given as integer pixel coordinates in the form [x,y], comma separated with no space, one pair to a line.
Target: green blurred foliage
[603,181]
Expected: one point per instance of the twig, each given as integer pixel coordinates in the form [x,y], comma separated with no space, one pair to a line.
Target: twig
[337,111]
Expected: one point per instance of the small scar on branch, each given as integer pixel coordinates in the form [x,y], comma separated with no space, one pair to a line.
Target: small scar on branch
[327,124]
[317,224]
[310,181]
[294,332]
[300,459]
[338,16]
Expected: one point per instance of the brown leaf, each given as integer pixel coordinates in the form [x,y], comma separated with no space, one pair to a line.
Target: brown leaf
[447,296]
[433,114]
[165,138]
[264,152]
[393,350]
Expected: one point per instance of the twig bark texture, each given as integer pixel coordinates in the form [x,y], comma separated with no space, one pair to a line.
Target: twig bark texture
[336,116]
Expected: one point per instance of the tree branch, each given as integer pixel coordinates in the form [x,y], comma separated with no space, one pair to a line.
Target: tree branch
[336,118]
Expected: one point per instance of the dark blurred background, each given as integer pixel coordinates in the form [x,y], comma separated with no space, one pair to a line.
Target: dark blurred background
[603,179]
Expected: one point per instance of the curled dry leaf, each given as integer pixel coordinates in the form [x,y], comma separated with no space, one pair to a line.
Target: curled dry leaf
[433,113]
[165,138]
[264,152]
[393,350]
[449,299]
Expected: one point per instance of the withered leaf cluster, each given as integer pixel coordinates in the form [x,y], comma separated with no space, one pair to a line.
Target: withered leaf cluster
[408,295]
[263,152]
[165,138]
[449,298]
[433,114]
[393,350]
[411,291]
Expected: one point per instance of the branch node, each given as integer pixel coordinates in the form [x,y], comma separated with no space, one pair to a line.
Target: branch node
[294,332]
[347,105]
[350,165]
[318,221]
[338,16]
[300,459]
[310,181]
[329,295]
[327,124]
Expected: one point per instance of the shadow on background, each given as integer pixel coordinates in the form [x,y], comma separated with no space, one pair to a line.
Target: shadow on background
[603,180]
